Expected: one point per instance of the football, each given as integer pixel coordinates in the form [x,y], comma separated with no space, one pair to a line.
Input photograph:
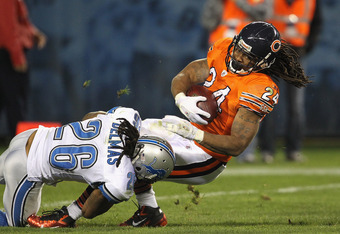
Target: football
[210,105]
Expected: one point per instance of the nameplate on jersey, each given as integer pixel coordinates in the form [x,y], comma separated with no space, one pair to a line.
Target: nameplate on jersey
[114,143]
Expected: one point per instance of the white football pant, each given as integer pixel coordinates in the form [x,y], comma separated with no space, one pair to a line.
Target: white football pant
[21,197]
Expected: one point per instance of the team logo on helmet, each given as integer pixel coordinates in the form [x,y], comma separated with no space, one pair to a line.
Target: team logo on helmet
[154,159]
[275,46]
[159,172]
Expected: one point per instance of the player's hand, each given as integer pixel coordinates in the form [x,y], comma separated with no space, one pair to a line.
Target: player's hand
[182,127]
[188,106]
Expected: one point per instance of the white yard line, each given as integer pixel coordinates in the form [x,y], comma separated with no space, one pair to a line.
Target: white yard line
[251,191]
[308,188]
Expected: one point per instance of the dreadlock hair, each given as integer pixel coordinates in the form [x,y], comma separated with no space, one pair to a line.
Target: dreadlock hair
[129,136]
[288,67]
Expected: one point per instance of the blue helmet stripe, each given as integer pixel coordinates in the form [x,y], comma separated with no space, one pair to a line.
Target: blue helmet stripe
[158,143]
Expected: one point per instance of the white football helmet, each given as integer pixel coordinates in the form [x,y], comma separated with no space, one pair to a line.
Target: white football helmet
[154,159]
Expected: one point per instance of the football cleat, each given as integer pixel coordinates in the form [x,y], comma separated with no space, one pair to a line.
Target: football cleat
[52,219]
[147,216]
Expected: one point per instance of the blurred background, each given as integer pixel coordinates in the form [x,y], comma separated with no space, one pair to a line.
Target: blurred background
[141,44]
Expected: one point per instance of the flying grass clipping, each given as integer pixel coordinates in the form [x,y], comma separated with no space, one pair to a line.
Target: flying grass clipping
[121,92]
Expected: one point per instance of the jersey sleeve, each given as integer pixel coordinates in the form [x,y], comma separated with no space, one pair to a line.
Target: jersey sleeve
[129,114]
[259,96]
[119,185]
[113,194]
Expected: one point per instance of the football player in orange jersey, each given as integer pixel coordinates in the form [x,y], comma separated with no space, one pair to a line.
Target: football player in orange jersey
[240,71]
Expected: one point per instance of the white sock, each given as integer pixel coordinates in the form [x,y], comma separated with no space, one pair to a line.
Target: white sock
[147,199]
[74,211]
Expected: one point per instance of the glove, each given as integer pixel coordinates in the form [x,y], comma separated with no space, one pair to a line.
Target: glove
[182,127]
[188,106]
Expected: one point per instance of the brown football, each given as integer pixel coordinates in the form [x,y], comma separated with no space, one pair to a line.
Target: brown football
[210,105]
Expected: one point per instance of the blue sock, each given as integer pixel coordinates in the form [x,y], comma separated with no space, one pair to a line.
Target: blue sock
[3,219]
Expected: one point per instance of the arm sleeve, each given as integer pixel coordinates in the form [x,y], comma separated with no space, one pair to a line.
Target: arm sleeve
[259,98]
[110,195]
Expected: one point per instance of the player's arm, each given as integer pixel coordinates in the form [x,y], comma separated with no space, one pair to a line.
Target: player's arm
[194,73]
[243,130]
[93,114]
[95,205]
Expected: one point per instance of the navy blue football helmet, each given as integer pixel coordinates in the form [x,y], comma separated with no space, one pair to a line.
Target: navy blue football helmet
[260,42]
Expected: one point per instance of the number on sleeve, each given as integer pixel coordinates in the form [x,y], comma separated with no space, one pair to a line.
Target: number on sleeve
[276,98]
[131,182]
[270,91]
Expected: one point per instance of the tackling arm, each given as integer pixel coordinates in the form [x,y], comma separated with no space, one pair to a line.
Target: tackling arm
[96,204]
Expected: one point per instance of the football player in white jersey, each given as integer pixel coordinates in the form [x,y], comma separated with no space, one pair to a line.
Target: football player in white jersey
[104,150]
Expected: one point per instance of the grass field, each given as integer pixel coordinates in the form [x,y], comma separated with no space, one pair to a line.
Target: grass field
[282,197]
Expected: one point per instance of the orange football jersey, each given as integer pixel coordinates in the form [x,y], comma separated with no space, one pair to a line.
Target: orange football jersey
[256,92]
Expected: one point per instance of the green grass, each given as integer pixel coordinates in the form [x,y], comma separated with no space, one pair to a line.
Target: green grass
[283,197]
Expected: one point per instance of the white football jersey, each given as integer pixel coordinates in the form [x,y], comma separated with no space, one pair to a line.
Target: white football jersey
[83,151]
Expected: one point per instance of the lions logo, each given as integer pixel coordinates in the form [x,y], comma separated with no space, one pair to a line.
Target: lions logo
[159,172]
